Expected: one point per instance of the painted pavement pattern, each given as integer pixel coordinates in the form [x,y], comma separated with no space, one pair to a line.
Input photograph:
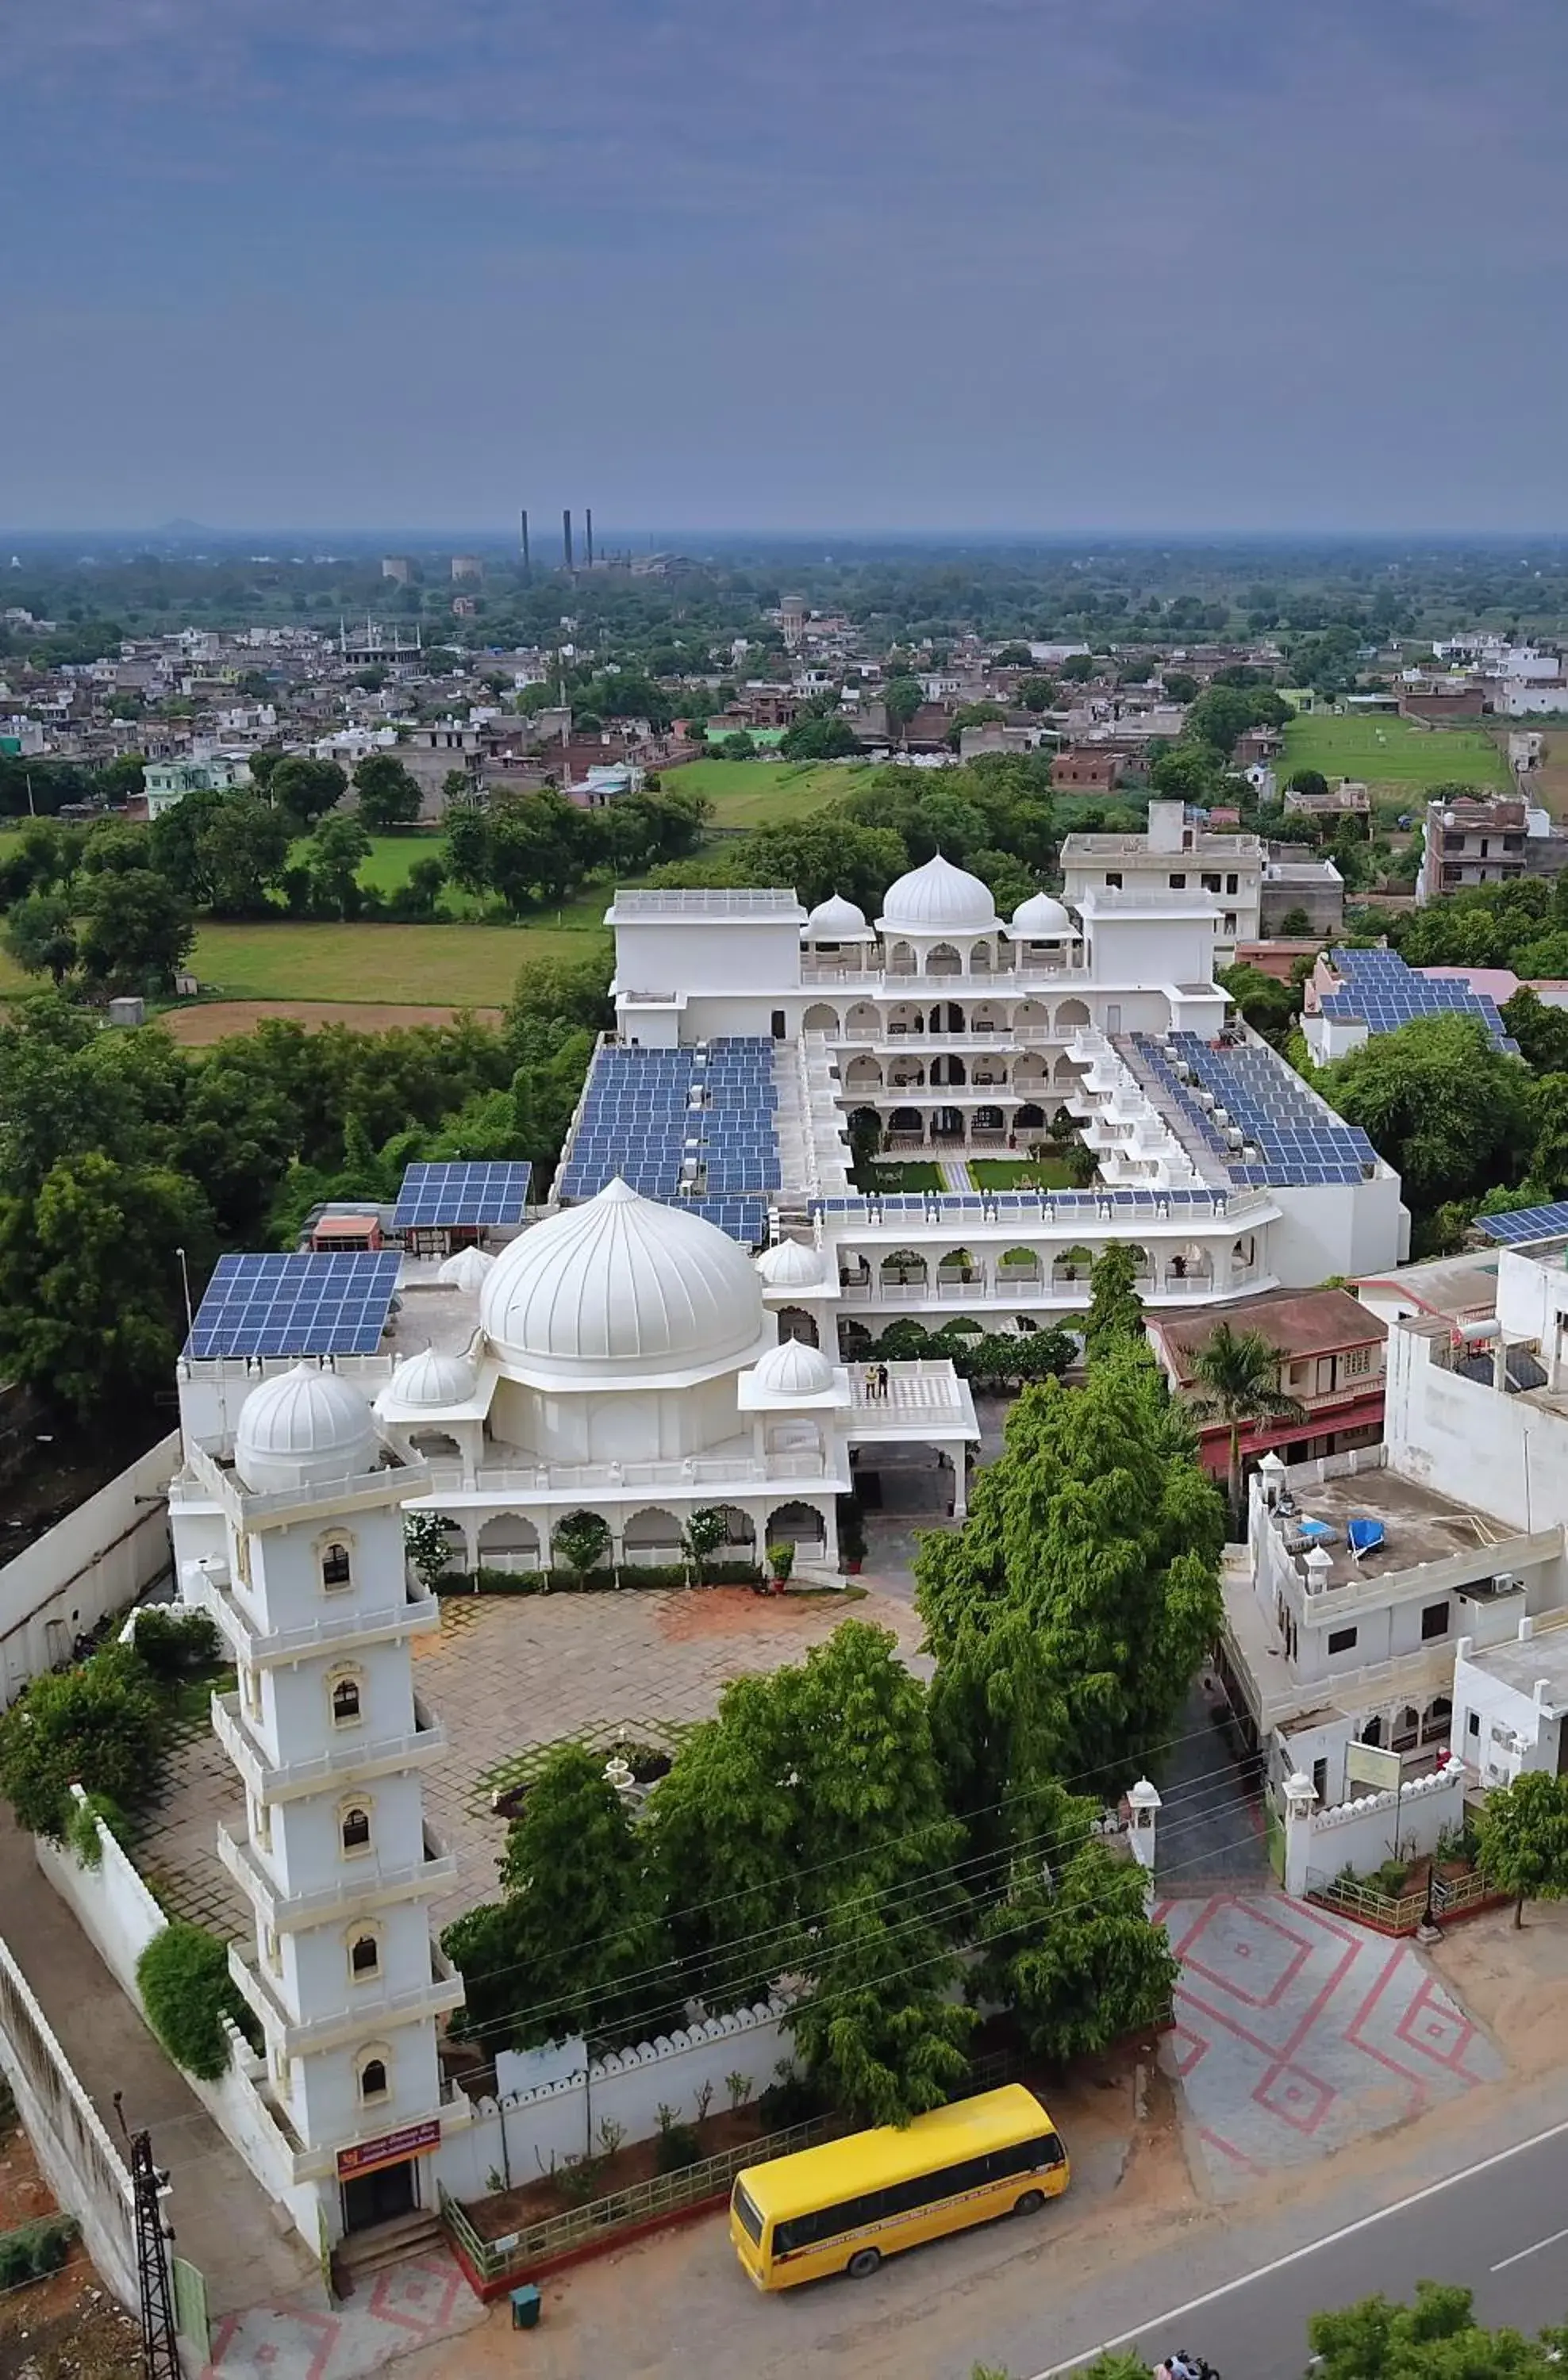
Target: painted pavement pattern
[412,2304]
[1297,2032]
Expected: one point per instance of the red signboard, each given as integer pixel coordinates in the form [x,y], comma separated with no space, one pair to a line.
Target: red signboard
[416,2140]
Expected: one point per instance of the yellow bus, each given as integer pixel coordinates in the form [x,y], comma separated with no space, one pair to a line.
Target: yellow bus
[843,2207]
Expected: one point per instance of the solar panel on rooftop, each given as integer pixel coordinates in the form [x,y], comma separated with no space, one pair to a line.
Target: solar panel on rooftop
[295,1306]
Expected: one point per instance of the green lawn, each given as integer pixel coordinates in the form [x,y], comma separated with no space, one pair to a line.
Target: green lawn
[1378,749]
[456,965]
[919,1174]
[762,793]
[1021,1172]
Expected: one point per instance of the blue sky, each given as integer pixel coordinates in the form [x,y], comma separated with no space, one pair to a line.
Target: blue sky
[863,264]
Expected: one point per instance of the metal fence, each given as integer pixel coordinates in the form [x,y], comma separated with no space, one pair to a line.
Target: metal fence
[1401,1912]
[494,2262]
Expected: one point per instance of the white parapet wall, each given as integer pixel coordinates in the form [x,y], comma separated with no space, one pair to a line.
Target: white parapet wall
[552,2105]
[119,1916]
[94,1561]
[1362,1835]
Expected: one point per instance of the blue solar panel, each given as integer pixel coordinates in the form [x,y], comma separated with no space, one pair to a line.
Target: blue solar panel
[461,1193]
[1525,1223]
[694,1121]
[295,1305]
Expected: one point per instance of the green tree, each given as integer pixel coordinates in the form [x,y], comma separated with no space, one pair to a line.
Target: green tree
[427,1541]
[705,1532]
[1185,773]
[1068,1614]
[581,1539]
[136,931]
[902,697]
[1449,1112]
[40,936]
[1116,1309]
[1180,686]
[1036,694]
[333,857]
[1270,1007]
[1236,1376]
[738,746]
[389,793]
[877,2028]
[1436,2339]
[1541,1032]
[1522,1833]
[303,789]
[1308,780]
[1069,1948]
[819,739]
[575,1945]
[187,1991]
[97,1725]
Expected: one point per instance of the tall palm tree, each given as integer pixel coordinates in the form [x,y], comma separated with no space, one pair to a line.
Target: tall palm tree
[1236,1374]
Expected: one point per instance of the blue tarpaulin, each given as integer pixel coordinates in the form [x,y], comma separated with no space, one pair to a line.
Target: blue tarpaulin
[1364,1536]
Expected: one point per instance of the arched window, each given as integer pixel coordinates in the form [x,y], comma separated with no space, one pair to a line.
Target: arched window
[364,1956]
[336,1567]
[356,1828]
[344,1701]
[372,2079]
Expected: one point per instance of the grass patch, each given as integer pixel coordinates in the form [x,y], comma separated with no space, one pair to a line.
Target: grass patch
[1021,1172]
[762,793]
[919,1174]
[604,1737]
[1379,749]
[460,967]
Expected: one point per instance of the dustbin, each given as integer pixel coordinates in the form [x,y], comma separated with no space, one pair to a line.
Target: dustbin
[525,2304]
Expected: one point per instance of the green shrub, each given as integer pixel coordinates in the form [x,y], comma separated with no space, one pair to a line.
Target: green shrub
[176,1643]
[100,1724]
[187,1991]
[676,2147]
[792,2099]
[734,1574]
[656,1573]
[82,1828]
[35,2250]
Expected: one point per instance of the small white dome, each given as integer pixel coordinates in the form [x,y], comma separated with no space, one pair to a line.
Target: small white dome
[790,1264]
[466,1269]
[302,1427]
[1040,919]
[834,920]
[435,1379]
[620,1284]
[939,899]
[794,1368]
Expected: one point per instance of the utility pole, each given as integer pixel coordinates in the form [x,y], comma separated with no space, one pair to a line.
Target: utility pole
[160,2354]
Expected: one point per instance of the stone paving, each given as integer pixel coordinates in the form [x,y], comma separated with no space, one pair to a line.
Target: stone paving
[410,2305]
[507,1673]
[1297,2033]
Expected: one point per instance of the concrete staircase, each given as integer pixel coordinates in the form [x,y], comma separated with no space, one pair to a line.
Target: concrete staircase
[360,2254]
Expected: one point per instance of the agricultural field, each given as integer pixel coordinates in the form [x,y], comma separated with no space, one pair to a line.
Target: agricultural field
[459,966]
[1379,750]
[763,793]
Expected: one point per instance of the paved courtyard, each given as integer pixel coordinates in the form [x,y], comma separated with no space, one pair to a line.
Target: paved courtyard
[1297,2033]
[508,1674]
[411,2305]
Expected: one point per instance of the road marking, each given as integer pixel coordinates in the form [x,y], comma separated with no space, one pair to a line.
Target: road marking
[1313,2248]
[1550,2242]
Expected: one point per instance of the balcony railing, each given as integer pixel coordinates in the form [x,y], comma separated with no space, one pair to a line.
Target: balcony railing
[414,1615]
[367,2010]
[580,1478]
[365,1887]
[273,1780]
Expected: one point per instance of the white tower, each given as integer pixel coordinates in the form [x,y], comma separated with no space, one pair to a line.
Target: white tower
[300,1558]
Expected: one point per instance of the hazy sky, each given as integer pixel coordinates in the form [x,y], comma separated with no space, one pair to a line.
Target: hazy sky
[990,264]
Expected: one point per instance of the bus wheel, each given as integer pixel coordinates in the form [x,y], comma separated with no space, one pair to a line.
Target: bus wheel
[1030,2203]
[864,2260]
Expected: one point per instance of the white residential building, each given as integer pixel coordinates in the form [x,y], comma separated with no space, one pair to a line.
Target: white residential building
[167,783]
[1174,855]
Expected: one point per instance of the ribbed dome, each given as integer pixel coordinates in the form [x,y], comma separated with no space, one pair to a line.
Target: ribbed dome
[301,1427]
[939,899]
[466,1269]
[794,1369]
[790,1264]
[834,920]
[1040,919]
[435,1379]
[620,1284]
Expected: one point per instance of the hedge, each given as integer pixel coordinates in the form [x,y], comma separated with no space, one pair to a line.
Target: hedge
[187,1991]
[716,1571]
[35,2250]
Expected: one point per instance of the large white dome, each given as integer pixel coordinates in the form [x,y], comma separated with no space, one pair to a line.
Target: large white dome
[621,1286]
[1040,919]
[836,920]
[939,899]
[790,1264]
[794,1369]
[435,1379]
[303,1426]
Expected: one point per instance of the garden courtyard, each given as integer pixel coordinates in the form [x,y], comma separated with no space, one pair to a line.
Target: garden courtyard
[506,1676]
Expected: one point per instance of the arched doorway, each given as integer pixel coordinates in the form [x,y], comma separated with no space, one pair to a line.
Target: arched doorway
[799,1526]
[509,1542]
[1071,1016]
[942,959]
[820,1018]
[650,1535]
[796,1323]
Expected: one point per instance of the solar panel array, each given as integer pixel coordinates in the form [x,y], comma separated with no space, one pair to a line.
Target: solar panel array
[295,1305]
[1382,993]
[693,1126]
[466,1195]
[1525,1223]
[1273,1135]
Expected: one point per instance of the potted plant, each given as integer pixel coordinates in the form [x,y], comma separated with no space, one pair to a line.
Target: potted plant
[781,1561]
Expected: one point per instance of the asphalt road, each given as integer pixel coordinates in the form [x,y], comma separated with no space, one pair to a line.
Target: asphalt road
[1498,2224]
